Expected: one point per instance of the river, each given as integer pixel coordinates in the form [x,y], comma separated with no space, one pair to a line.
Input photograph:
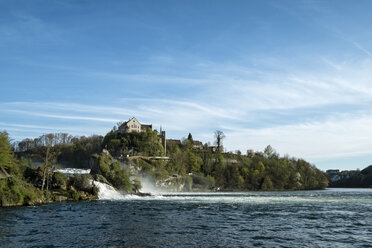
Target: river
[328,218]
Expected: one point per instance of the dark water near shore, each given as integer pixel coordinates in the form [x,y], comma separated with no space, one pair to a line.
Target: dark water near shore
[330,218]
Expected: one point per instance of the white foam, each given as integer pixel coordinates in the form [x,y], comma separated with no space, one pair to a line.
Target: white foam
[107,192]
[71,171]
[148,186]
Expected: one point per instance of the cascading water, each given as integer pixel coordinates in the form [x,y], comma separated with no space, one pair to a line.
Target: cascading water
[72,171]
[107,192]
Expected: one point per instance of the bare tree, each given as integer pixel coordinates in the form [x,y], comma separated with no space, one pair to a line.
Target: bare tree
[119,124]
[219,135]
[50,159]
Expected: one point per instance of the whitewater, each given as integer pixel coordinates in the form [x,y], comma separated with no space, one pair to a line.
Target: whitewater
[325,218]
[328,218]
[109,193]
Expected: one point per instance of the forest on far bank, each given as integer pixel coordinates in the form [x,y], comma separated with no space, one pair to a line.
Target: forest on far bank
[203,167]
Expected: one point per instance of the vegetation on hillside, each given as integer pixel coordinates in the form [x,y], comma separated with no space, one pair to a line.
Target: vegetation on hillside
[144,143]
[191,166]
[352,178]
[21,183]
[14,190]
[69,150]
[212,168]
[114,173]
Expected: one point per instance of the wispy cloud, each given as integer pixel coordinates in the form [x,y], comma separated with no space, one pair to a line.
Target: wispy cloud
[67,117]
[254,107]
[153,78]
[357,45]
[333,64]
[244,97]
[347,136]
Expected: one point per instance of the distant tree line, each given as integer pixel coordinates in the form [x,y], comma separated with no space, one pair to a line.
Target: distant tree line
[207,166]
[44,140]
[70,150]
[351,178]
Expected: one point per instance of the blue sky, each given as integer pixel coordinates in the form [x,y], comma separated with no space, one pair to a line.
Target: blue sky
[293,74]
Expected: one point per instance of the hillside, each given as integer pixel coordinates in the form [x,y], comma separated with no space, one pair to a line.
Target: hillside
[188,165]
[204,167]
[350,178]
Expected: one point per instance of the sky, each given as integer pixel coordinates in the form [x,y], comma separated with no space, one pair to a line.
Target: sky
[296,75]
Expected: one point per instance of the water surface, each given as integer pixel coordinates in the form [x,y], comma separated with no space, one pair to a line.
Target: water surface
[329,218]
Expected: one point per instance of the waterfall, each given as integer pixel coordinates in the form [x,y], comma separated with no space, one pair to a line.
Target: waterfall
[107,192]
[71,171]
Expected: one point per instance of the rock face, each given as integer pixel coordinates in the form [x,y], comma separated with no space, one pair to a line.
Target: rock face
[109,170]
[142,194]
[83,183]
[176,183]
[101,179]
[95,162]
[94,166]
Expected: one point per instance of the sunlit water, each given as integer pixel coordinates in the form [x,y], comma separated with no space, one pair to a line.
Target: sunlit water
[329,218]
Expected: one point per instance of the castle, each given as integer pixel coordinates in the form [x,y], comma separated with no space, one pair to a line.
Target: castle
[133,125]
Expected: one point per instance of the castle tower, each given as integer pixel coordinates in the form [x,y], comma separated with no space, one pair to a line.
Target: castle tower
[163,141]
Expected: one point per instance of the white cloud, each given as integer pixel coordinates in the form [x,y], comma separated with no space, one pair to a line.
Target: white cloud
[347,136]
[64,116]
[253,109]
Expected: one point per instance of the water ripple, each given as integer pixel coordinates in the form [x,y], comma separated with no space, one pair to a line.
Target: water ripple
[331,218]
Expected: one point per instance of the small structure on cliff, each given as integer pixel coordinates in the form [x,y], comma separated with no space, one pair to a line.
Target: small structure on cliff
[133,125]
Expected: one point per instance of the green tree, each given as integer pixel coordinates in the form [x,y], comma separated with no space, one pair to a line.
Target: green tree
[6,152]
[194,162]
[267,184]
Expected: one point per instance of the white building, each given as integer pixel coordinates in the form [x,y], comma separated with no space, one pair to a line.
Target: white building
[133,125]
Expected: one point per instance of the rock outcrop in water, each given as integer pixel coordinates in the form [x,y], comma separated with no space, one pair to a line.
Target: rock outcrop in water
[109,170]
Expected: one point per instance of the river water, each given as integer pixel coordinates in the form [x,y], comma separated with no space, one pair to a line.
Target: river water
[328,218]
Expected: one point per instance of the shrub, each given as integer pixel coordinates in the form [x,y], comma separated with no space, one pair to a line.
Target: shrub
[14,191]
[83,182]
[143,165]
[161,173]
[104,164]
[60,180]
[120,179]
